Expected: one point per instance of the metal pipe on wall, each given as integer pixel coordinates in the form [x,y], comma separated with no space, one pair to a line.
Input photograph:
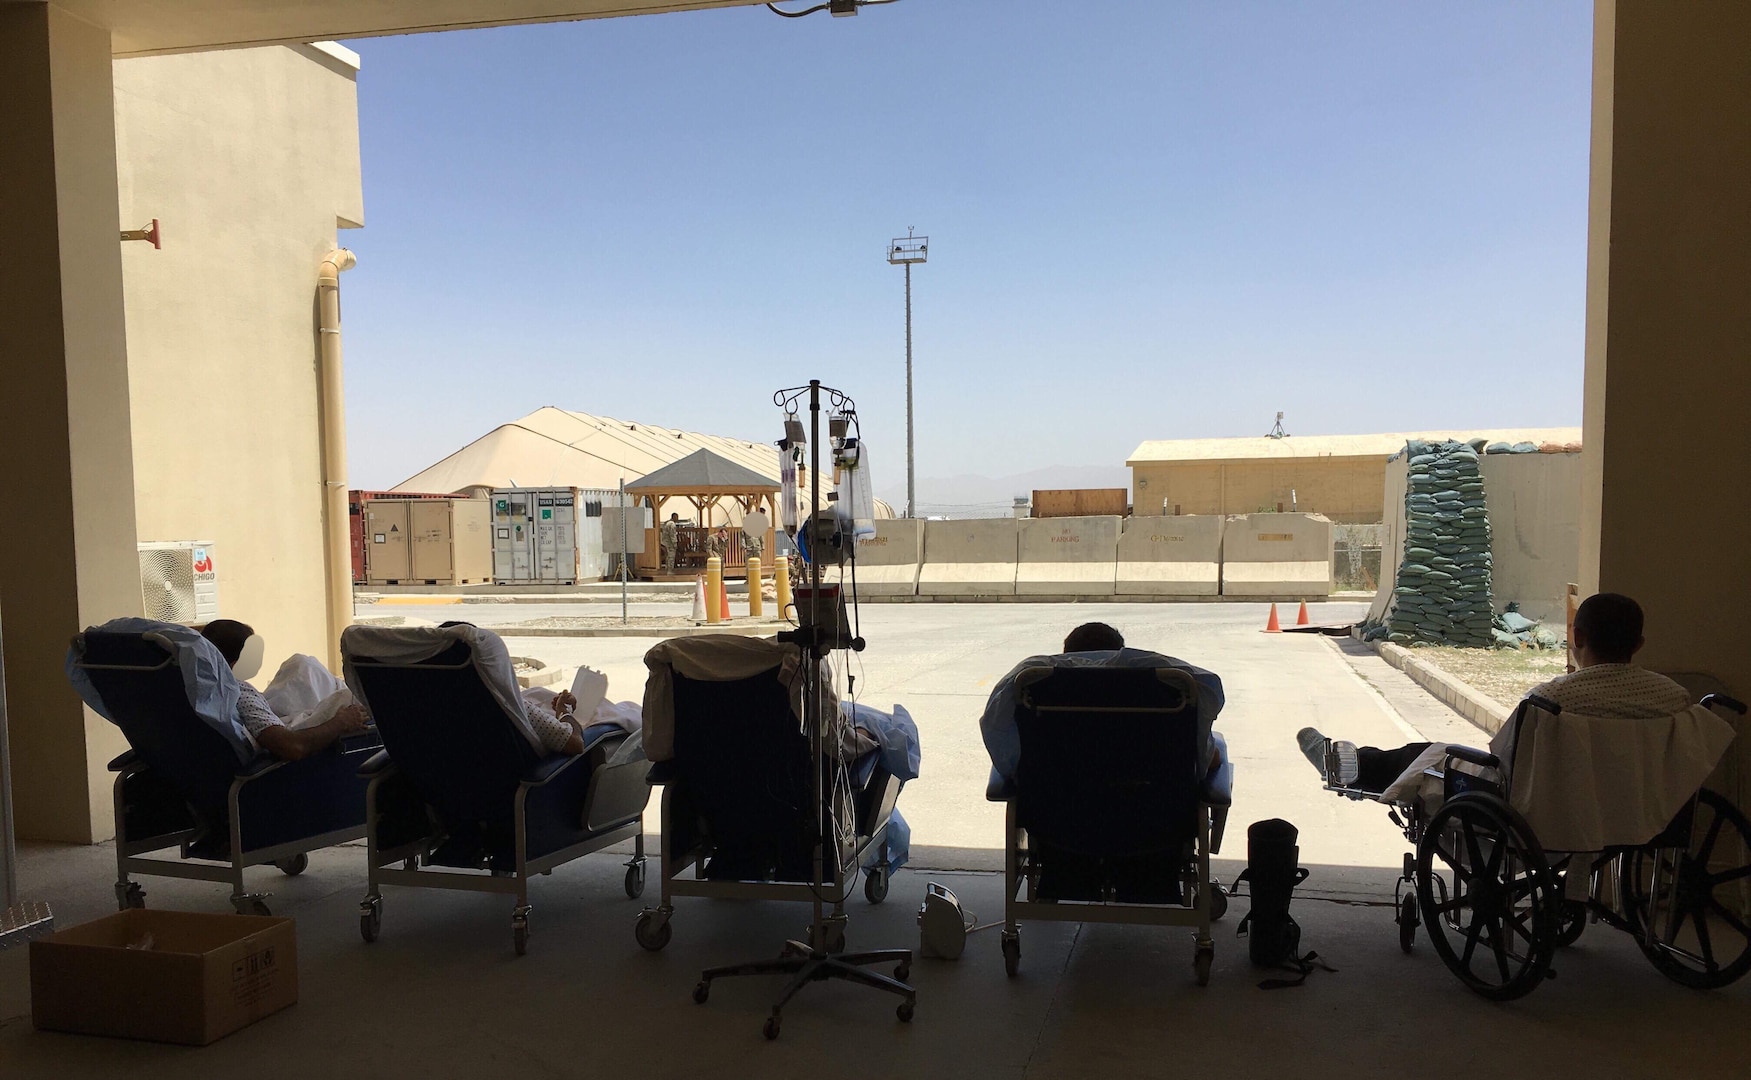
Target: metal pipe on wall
[337,538]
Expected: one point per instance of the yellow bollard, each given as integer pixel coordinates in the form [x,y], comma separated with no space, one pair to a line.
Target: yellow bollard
[781,581]
[756,602]
[714,583]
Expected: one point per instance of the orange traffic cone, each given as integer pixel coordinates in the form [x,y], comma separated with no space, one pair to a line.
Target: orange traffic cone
[1272,626]
[1301,619]
[699,599]
[723,601]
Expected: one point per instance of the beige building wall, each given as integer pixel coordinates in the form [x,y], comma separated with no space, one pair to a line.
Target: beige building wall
[250,161]
[1344,489]
[1668,331]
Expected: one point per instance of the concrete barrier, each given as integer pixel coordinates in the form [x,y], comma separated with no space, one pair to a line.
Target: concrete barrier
[969,558]
[1170,556]
[1066,556]
[1287,555]
[888,562]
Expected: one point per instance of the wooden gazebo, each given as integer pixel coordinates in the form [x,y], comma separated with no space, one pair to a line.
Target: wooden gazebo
[720,494]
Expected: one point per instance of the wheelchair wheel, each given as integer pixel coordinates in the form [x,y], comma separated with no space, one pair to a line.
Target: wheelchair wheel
[1407,922]
[1496,929]
[1689,907]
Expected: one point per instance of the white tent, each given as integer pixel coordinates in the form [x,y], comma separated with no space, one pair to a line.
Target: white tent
[553,447]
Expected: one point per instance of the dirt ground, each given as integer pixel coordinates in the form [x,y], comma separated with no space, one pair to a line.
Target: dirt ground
[1503,674]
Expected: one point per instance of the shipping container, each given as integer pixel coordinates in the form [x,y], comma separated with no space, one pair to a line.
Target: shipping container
[428,541]
[548,536]
[356,500]
[1081,502]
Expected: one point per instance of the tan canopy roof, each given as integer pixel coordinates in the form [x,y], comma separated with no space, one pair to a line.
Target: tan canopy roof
[703,473]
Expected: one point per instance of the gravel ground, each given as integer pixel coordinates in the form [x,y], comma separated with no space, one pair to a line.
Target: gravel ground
[1503,674]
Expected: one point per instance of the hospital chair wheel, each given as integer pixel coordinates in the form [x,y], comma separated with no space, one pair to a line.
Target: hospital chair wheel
[250,905]
[701,992]
[371,923]
[520,938]
[902,972]
[130,896]
[294,865]
[875,885]
[770,1028]
[1574,922]
[1497,930]
[1201,963]
[651,934]
[635,881]
[1218,902]
[1011,954]
[1407,921]
[905,1010]
[1689,907]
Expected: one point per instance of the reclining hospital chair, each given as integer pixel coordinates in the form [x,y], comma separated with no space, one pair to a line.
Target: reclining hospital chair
[1110,816]
[193,780]
[723,730]
[462,797]
[1568,820]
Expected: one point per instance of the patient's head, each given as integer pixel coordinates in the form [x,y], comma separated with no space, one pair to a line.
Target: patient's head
[228,636]
[1093,637]
[1608,629]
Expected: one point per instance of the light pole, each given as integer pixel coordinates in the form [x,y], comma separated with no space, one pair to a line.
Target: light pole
[904,251]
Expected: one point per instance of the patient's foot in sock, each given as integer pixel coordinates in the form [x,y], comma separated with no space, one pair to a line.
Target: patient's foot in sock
[1313,747]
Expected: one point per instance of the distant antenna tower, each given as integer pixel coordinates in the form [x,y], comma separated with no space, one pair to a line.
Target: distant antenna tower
[1277,431]
[904,251]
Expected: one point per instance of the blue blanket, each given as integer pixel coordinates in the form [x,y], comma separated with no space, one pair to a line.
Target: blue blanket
[206,677]
[896,737]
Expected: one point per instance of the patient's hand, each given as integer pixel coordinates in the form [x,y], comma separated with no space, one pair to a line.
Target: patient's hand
[351,719]
[564,702]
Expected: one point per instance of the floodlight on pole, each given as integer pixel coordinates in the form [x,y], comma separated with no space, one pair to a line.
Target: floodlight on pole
[904,251]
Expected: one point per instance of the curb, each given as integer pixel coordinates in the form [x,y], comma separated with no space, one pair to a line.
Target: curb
[690,630]
[1484,711]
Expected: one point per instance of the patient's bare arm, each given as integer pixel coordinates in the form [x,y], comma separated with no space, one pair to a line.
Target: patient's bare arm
[289,745]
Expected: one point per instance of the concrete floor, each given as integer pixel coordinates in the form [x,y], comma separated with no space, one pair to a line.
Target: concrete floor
[442,994]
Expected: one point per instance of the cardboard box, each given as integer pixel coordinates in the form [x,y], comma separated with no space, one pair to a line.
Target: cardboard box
[169,976]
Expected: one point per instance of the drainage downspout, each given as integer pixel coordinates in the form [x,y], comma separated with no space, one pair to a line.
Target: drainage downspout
[336,531]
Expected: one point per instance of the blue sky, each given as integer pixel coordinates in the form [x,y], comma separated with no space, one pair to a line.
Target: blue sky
[1147,220]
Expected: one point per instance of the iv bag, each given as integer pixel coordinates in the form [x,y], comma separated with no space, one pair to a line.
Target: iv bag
[854,504]
[787,513]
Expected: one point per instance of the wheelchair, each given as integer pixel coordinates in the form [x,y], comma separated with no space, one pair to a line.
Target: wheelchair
[1496,905]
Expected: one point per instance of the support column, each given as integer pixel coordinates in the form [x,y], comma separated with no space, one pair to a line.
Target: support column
[1665,508]
[67,553]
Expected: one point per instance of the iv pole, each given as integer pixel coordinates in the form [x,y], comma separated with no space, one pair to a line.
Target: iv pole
[813,961]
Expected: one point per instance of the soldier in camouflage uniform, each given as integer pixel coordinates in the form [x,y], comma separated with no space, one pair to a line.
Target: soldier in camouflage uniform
[669,537]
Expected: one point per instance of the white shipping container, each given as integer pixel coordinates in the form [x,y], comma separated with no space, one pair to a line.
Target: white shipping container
[547,536]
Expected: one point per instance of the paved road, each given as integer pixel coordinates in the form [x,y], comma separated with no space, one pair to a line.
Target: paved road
[941,660]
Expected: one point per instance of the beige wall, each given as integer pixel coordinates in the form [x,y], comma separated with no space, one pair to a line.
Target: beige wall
[1669,326]
[1343,489]
[155,394]
[67,556]
[250,160]
[1669,329]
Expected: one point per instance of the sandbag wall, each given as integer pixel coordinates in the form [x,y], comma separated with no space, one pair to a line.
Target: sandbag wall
[1442,595]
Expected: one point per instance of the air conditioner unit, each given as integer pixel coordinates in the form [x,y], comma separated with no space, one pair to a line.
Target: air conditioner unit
[178,581]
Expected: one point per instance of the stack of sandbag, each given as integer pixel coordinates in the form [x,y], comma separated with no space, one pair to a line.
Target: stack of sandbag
[1442,596]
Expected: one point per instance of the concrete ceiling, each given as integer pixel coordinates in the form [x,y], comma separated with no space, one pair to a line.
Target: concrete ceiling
[149,27]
